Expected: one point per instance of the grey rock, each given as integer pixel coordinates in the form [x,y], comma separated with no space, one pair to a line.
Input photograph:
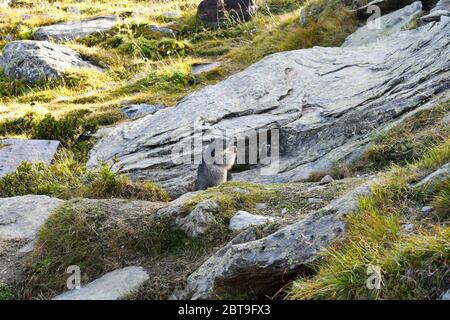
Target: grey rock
[367,88]
[263,266]
[442,8]
[199,220]
[386,6]
[14,151]
[39,60]
[115,285]
[429,182]
[134,111]
[243,219]
[260,206]
[315,200]
[171,14]
[204,67]
[164,31]
[76,29]
[426,210]
[408,227]
[22,217]
[326,180]
[389,24]
[446,295]
[303,20]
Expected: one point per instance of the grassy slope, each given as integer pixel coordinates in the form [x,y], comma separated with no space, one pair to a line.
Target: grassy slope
[376,235]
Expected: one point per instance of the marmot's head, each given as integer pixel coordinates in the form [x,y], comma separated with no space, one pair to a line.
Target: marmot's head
[219,155]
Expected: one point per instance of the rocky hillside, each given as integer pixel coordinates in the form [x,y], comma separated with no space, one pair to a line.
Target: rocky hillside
[99,100]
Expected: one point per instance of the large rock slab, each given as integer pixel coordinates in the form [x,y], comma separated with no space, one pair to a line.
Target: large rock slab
[33,61]
[264,266]
[114,285]
[389,24]
[76,29]
[14,151]
[326,103]
[214,12]
[20,220]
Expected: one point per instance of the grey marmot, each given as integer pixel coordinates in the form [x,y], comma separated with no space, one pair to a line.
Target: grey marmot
[214,174]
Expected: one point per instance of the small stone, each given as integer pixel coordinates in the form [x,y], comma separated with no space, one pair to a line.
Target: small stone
[172,14]
[240,190]
[315,200]
[408,227]
[204,67]
[327,179]
[244,219]
[134,111]
[426,210]
[167,32]
[261,206]
[283,211]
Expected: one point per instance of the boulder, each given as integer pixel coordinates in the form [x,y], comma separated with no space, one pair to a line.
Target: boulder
[325,102]
[114,285]
[389,24]
[243,219]
[214,12]
[14,151]
[264,266]
[199,220]
[20,220]
[76,29]
[133,111]
[442,8]
[33,61]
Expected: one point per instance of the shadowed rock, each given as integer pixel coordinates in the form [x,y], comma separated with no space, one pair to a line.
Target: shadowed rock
[214,12]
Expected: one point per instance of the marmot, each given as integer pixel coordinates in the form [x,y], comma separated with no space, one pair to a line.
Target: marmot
[214,174]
